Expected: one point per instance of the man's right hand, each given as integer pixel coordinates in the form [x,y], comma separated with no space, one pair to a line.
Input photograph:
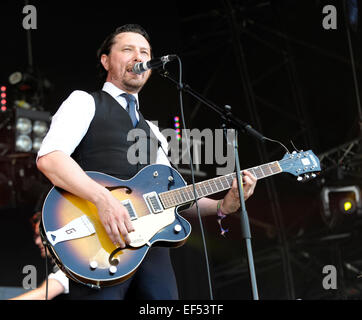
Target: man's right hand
[115,219]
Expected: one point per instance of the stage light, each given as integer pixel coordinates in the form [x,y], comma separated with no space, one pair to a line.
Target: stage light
[347,206]
[23,143]
[24,81]
[40,128]
[37,143]
[176,120]
[15,78]
[22,104]
[23,125]
[3,106]
[341,205]
[31,127]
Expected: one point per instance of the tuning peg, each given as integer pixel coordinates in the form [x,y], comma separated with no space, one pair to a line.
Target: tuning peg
[306,176]
[299,178]
[313,175]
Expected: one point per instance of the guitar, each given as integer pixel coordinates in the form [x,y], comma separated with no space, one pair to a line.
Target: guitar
[80,245]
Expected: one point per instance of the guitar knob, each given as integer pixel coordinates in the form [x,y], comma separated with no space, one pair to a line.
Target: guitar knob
[93,265]
[177,228]
[112,269]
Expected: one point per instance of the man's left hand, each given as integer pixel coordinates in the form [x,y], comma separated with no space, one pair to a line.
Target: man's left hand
[231,202]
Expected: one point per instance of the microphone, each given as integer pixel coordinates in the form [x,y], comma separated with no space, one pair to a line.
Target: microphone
[155,63]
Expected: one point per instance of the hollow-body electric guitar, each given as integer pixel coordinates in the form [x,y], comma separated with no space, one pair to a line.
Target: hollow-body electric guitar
[154,197]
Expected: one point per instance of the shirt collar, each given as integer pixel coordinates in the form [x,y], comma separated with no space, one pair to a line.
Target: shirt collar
[115,92]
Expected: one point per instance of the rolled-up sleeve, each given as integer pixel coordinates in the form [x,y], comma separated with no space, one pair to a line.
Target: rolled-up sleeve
[69,124]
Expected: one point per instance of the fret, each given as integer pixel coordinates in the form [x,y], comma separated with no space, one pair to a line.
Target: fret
[210,185]
[223,182]
[190,190]
[229,179]
[219,185]
[266,170]
[202,185]
[209,188]
[252,170]
[258,172]
[182,193]
[275,167]
[177,196]
[187,195]
[165,200]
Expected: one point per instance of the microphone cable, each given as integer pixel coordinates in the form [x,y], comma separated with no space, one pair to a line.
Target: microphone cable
[180,88]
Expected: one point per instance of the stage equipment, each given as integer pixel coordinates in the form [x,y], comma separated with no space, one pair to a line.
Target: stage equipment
[30,128]
[341,205]
[177,127]
[3,100]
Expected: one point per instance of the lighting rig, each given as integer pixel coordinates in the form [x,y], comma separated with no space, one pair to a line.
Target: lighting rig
[23,125]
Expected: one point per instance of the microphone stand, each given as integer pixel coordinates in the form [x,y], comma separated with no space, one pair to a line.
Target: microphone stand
[236,123]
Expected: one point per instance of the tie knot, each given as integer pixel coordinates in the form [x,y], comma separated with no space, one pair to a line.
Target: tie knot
[129,98]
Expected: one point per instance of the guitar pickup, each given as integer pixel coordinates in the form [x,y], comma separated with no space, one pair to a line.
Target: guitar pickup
[153,202]
[129,206]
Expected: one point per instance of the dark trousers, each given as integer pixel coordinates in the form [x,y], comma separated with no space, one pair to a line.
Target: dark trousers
[153,280]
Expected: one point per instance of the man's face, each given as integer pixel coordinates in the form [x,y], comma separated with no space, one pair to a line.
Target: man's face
[128,49]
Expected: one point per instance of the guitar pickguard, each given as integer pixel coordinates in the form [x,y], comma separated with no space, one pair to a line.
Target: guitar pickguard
[147,226]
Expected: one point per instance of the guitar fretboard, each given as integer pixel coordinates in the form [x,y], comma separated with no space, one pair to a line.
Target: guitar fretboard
[205,188]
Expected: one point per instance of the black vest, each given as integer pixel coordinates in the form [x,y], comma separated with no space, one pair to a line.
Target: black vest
[105,148]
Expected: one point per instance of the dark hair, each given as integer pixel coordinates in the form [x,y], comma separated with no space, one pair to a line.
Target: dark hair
[107,44]
[35,219]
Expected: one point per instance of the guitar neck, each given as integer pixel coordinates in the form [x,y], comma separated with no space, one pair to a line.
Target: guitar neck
[205,188]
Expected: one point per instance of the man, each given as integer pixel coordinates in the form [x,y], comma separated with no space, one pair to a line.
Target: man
[89,132]
[58,283]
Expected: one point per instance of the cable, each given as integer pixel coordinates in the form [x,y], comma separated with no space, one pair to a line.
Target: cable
[180,87]
[46,270]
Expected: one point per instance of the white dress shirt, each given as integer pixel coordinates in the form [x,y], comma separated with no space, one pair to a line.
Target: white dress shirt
[72,120]
[62,279]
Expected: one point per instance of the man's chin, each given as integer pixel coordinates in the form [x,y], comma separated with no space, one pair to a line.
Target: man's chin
[134,85]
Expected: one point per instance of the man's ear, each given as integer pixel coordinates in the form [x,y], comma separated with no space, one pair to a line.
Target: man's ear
[104,61]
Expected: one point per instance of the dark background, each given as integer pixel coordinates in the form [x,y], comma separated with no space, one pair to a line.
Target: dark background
[279,70]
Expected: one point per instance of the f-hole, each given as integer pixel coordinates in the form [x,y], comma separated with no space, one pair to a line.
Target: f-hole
[128,189]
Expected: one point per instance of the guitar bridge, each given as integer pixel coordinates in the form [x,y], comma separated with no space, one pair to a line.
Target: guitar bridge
[153,202]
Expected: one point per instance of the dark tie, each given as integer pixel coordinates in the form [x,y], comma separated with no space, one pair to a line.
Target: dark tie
[131,107]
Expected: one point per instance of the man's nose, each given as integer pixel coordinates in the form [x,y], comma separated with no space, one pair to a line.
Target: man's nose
[138,56]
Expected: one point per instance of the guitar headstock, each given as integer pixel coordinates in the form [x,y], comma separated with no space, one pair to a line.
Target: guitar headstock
[303,164]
